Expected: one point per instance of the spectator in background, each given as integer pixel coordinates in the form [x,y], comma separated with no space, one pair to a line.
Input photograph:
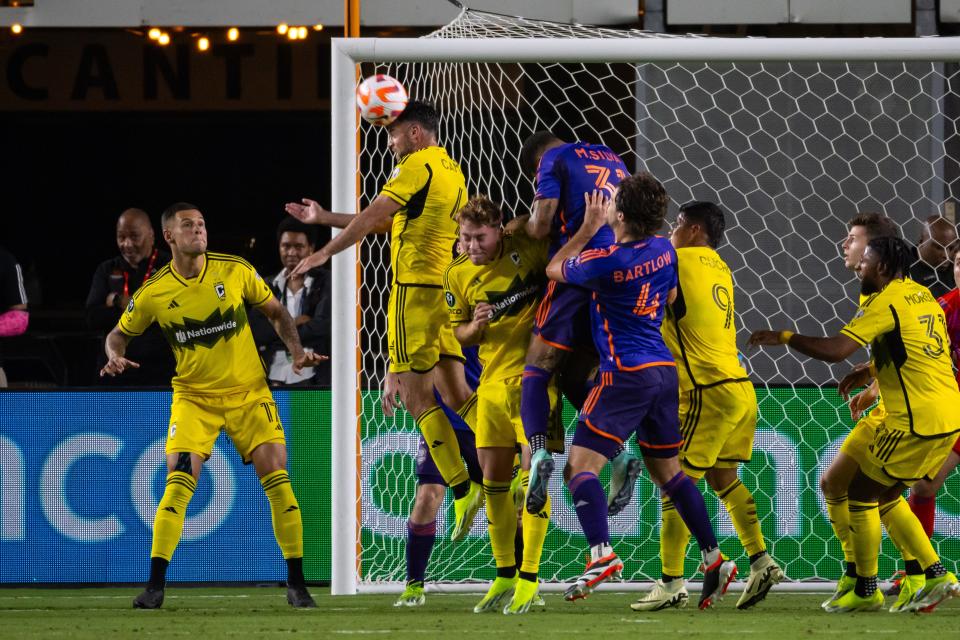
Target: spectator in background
[933,265]
[114,283]
[307,299]
[13,302]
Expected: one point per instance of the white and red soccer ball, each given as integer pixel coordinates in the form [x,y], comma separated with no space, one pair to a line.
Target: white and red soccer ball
[381,99]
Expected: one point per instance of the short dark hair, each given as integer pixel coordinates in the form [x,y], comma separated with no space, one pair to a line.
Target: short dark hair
[423,113]
[710,218]
[876,224]
[171,212]
[292,225]
[532,149]
[643,202]
[481,210]
[893,254]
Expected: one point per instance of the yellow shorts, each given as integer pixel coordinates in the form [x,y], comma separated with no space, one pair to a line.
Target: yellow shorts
[858,441]
[897,455]
[718,425]
[418,329]
[249,418]
[498,414]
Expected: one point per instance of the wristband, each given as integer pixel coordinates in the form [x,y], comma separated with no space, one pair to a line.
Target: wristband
[785,337]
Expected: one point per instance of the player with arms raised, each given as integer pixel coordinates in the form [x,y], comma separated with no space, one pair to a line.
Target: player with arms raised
[718,406]
[418,204]
[561,340]
[905,328]
[491,294]
[199,300]
[630,282]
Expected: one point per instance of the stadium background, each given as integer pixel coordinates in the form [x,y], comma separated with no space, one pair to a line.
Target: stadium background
[73,509]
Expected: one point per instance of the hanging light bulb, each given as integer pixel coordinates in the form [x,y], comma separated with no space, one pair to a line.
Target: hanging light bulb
[233,34]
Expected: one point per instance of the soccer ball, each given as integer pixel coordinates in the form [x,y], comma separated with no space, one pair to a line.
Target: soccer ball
[381,99]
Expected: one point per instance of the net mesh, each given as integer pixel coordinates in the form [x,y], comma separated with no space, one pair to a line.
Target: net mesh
[791,151]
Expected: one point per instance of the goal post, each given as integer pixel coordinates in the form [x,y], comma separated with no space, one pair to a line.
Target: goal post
[791,136]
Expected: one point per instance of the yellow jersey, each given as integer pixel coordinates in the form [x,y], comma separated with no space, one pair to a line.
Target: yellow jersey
[205,321]
[907,332]
[513,284]
[430,189]
[700,327]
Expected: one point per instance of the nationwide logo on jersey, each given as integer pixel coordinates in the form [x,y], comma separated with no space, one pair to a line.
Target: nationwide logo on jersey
[518,295]
[206,333]
[221,291]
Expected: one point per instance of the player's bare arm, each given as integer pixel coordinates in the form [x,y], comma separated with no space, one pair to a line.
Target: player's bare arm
[285,327]
[540,221]
[593,219]
[310,212]
[471,333]
[861,375]
[833,349]
[116,347]
[376,218]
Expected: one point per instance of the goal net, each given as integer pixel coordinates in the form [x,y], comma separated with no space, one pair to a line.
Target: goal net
[790,145]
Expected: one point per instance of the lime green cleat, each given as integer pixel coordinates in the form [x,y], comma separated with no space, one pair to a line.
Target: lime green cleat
[412,596]
[524,595]
[909,586]
[465,510]
[844,584]
[850,602]
[499,592]
[935,591]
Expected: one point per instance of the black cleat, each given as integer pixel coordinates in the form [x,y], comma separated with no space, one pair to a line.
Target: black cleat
[149,599]
[299,598]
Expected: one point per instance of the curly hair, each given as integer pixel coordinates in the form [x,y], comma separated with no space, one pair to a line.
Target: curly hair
[893,255]
[643,202]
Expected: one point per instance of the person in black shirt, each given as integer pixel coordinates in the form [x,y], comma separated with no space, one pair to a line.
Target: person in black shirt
[114,283]
[307,299]
[13,302]
[933,264]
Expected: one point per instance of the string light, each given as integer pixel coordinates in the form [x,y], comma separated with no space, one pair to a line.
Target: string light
[16,28]
[232,34]
[203,43]
[282,28]
[154,33]
[293,34]
[164,39]
[318,27]
[302,32]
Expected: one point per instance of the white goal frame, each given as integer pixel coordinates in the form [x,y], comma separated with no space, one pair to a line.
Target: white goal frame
[348,53]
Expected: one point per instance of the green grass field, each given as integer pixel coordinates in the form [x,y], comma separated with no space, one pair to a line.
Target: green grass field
[213,613]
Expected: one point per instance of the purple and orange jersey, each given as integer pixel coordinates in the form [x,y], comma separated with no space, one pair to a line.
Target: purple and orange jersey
[630,283]
[566,173]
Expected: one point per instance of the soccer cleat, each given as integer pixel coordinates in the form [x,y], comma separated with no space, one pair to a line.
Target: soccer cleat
[934,591]
[716,580]
[299,598]
[524,595]
[626,470]
[663,595]
[541,468]
[599,571]
[764,573]
[149,599]
[499,592]
[895,580]
[844,584]
[850,602]
[412,596]
[538,601]
[907,588]
[465,510]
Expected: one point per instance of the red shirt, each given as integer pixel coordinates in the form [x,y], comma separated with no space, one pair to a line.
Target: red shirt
[950,302]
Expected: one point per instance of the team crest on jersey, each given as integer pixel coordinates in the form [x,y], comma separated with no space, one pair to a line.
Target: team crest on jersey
[130,306]
[394,174]
[221,291]
[173,430]
[516,258]
[450,299]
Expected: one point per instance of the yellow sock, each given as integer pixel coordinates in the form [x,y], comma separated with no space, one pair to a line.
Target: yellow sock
[444,448]
[839,513]
[907,533]
[503,521]
[534,531]
[865,536]
[743,512]
[285,513]
[674,539]
[171,512]
[468,412]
